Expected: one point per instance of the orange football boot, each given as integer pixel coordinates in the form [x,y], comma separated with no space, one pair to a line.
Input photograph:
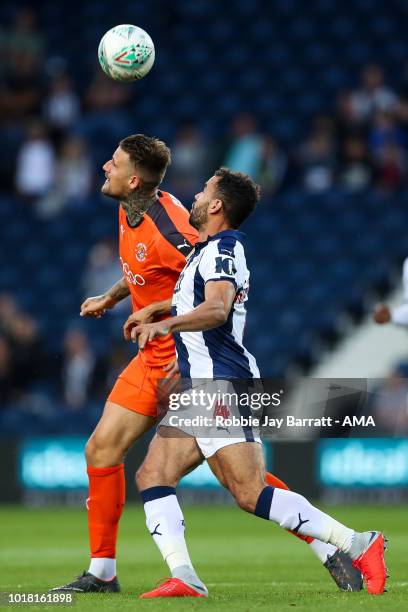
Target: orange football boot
[173,587]
[372,565]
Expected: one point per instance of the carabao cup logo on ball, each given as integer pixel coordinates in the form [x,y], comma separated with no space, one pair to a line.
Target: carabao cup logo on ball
[126,53]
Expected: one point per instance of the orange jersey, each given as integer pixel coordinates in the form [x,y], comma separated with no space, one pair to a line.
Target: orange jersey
[152,255]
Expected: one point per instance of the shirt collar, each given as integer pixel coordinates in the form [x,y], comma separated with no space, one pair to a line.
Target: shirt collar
[231,233]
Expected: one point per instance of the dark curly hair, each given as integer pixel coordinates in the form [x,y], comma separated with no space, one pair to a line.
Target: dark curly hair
[239,195]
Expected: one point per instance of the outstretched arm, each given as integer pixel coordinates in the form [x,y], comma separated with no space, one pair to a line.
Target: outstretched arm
[146,315]
[213,312]
[98,305]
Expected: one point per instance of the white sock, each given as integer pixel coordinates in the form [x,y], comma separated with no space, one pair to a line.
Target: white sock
[292,511]
[165,522]
[103,568]
[322,550]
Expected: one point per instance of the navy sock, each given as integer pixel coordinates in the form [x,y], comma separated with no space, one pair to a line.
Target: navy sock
[156,492]
[263,505]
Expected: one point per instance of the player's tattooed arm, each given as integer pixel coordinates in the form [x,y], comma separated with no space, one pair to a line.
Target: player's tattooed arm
[98,305]
[146,315]
[117,293]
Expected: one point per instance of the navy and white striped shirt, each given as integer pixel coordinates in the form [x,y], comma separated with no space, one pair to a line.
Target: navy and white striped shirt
[219,352]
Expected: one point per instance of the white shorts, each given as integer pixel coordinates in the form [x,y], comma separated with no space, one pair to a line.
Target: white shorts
[212,412]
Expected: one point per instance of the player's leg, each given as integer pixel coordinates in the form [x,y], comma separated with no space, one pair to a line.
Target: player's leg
[171,454]
[338,564]
[115,433]
[243,471]
[128,413]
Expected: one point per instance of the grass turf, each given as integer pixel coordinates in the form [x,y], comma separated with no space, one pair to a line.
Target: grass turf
[247,563]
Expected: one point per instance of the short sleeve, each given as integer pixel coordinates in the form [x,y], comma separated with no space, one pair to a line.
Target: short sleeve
[223,260]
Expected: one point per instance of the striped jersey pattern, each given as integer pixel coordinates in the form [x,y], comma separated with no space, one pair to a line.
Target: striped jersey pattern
[219,352]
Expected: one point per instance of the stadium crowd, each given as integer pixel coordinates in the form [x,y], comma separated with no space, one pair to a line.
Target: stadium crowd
[49,163]
[360,142]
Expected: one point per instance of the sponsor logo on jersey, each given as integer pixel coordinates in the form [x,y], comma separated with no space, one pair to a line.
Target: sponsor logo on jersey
[122,230]
[141,251]
[131,277]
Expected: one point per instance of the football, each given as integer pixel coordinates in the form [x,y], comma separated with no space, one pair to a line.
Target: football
[126,53]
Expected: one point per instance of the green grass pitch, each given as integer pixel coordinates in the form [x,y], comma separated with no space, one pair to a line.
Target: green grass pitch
[247,563]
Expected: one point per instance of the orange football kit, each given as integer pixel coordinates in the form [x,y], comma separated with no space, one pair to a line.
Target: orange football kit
[152,255]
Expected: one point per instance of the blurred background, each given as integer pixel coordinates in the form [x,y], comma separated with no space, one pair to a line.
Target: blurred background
[310,99]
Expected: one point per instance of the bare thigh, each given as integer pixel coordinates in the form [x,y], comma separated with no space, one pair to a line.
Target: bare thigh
[171,454]
[117,430]
[241,468]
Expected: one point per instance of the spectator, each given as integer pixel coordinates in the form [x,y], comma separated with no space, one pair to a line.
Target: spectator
[78,369]
[356,169]
[273,166]
[22,356]
[61,107]
[105,94]
[23,40]
[245,151]
[27,348]
[73,179]
[102,271]
[74,169]
[391,167]
[317,162]
[189,162]
[383,132]
[35,164]
[373,96]
[106,118]
[345,121]
[22,91]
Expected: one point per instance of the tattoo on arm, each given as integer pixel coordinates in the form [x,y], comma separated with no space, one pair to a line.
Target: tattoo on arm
[119,291]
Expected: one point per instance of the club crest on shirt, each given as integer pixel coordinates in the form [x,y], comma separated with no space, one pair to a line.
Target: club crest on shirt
[141,251]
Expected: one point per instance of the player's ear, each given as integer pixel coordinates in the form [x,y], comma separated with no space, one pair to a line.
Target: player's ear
[215,206]
[135,182]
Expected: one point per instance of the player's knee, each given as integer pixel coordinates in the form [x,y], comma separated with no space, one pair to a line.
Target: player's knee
[245,498]
[148,476]
[90,450]
[98,452]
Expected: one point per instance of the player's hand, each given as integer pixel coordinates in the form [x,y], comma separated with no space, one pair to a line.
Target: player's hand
[172,368]
[96,306]
[144,315]
[148,331]
[382,314]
